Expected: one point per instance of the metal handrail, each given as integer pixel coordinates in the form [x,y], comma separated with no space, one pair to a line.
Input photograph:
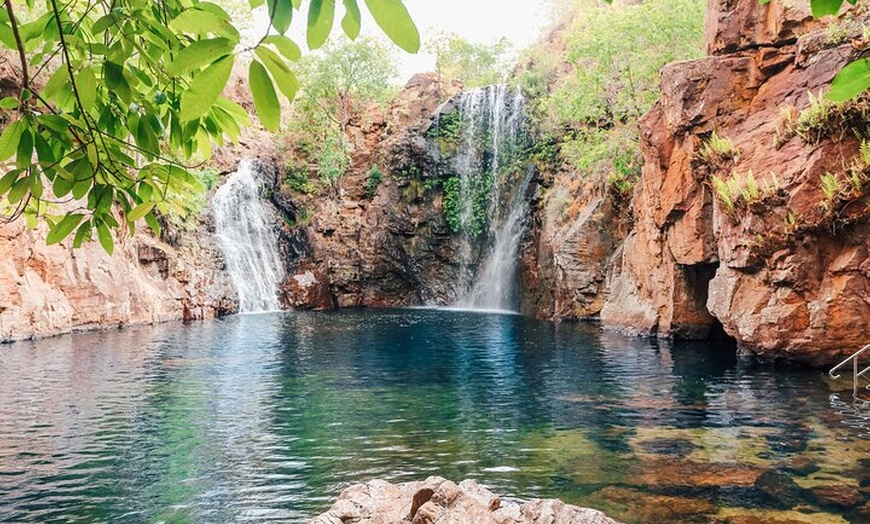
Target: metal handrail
[854,356]
[855,373]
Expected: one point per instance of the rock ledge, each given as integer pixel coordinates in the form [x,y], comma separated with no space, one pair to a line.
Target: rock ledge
[439,500]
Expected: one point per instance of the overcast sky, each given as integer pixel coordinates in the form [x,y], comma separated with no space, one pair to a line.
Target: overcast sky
[481,21]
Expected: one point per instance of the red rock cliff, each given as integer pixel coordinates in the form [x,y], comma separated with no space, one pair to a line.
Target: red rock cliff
[784,270]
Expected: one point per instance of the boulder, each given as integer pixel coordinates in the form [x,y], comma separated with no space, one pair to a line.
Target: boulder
[438,500]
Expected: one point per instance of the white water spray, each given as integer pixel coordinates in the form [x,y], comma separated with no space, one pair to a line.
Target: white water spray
[246,234]
[492,127]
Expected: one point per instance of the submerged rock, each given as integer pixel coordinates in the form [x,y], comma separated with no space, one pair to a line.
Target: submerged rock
[439,500]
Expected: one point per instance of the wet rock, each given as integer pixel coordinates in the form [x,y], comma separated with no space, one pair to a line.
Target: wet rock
[838,496]
[438,500]
[668,472]
[646,507]
[661,446]
[802,466]
[780,490]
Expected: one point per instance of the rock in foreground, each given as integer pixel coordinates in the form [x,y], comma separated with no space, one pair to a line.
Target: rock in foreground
[438,500]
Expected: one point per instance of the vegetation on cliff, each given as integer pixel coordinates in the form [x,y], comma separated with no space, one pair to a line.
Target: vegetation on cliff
[340,84]
[598,72]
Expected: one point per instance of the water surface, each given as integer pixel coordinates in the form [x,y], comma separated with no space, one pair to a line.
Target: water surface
[261,418]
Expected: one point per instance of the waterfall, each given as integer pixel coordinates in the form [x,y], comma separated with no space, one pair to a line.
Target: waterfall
[492,182]
[246,234]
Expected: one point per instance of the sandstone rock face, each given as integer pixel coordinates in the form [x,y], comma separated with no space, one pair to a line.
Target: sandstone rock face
[785,277]
[389,248]
[438,500]
[568,250]
[50,290]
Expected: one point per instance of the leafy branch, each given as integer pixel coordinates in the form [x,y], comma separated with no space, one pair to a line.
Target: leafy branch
[136,97]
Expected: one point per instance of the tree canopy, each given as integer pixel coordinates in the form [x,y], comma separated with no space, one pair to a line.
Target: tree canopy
[474,64]
[338,83]
[115,95]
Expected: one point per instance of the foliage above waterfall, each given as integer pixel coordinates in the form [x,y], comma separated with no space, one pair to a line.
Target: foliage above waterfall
[598,72]
[106,88]
[341,82]
[472,63]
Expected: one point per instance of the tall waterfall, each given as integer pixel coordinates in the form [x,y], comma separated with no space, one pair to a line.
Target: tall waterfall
[492,187]
[246,235]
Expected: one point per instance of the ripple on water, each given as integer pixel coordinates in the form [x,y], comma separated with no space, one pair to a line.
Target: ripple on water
[268,417]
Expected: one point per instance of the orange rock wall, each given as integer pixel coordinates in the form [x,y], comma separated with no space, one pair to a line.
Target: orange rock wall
[50,290]
[794,291]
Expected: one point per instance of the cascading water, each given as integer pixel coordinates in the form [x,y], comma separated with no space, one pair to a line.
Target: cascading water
[491,207]
[247,238]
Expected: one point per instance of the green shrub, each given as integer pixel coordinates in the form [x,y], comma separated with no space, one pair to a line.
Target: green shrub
[831,188]
[447,127]
[613,154]
[824,118]
[298,179]
[467,202]
[739,191]
[725,191]
[373,180]
[716,150]
[333,159]
[408,173]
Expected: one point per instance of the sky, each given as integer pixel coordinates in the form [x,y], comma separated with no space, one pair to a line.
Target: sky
[479,21]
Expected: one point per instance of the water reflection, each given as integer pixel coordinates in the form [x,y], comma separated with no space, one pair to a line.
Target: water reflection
[267,417]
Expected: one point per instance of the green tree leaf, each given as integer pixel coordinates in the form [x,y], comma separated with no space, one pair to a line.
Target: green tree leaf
[351,22]
[392,16]
[205,88]
[62,229]
[105,238]
[281,14]
[58,81]
[284,77]
[285,46]
[10,138]
[851,81]
[18,190]
[199,54]
[140,211]
[821,8]
[203,19]
[9,102]
[265,98]
[83,233]
[152,222]
[321,14]
[115,80]
[8,179]
[86,82]
[24,153]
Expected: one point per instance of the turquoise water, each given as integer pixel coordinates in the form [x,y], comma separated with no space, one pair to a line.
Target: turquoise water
[260,418]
